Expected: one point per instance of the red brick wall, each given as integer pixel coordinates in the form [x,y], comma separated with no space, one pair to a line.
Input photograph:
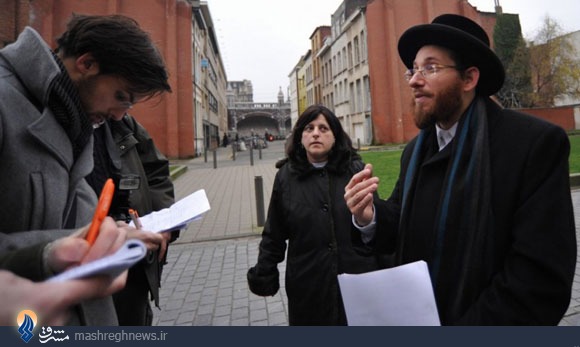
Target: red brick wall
[13,18]
[562,116]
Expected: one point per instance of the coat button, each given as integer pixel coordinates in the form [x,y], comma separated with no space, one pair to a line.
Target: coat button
[122,147]
[325,207]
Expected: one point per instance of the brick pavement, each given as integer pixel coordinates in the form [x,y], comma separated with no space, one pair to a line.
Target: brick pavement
[572,316]
[204,282]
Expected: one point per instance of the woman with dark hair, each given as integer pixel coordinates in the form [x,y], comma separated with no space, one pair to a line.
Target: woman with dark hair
[308,210]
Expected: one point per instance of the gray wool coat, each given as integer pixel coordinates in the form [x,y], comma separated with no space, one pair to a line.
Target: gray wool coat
[44,194]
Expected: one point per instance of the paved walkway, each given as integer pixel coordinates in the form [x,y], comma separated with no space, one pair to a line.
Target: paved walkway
[204,282]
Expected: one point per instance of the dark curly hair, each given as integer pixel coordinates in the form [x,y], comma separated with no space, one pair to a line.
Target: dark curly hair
[120,47]
[342,151]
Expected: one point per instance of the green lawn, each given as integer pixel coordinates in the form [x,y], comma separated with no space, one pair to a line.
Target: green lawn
[574,159]
[386,165]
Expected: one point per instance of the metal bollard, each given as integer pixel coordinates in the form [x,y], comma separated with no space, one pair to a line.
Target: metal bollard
[260,152]
[251,155]
[358,143]
[259,187]
[205,154]
[234,145]
[215,159]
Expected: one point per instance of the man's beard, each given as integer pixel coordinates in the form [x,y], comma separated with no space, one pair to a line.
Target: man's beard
[446,105]
[86,88]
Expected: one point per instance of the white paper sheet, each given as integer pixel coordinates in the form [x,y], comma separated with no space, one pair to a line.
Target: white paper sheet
[401,295]
[125,257]
[178,215]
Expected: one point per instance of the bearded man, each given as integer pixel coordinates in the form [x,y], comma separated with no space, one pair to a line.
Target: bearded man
[483,195]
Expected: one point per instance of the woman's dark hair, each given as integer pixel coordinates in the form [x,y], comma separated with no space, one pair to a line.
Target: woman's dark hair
[342,149]
[120,47]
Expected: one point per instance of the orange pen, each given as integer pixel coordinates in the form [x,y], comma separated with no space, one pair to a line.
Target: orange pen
[102,210]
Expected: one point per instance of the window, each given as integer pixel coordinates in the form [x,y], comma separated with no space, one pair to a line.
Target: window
[349,56]
[363,44]
[356,52]
[367,93]
[359,102]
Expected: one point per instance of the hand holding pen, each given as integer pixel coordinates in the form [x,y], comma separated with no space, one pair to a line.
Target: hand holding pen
[100,244]
[153,241]
[101,211]
[135,218]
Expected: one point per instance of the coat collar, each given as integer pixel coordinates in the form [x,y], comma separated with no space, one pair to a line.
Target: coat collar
[37,68]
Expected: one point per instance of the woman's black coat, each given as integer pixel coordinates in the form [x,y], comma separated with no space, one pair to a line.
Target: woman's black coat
[307,209]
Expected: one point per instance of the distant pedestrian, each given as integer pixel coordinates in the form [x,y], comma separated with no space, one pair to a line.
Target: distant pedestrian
[307,209]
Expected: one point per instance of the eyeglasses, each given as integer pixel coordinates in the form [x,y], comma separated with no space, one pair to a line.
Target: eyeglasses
[122,101]
[427,70]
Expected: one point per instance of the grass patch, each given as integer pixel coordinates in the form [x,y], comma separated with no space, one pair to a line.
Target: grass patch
[386,165]
[574,159]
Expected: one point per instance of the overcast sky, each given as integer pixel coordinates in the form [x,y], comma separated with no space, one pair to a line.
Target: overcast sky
[262,40]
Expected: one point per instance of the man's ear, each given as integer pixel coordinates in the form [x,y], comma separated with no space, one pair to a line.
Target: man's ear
[87,65]
[471,78]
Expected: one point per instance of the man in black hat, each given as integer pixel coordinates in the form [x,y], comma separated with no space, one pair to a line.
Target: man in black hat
[483,194]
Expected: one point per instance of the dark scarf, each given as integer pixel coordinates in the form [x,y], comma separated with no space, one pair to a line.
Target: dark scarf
[65,104]
[466,193]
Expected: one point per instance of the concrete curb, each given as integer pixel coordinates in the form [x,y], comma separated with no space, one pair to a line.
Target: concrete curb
[176,170]
[575,180]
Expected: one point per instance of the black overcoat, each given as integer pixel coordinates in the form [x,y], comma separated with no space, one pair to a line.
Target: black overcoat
[307,209]
[532,253]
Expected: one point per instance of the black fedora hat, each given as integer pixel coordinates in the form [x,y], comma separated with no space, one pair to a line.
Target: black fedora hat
[462,36]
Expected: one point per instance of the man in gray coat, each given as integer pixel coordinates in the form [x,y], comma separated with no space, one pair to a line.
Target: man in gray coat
[49,102]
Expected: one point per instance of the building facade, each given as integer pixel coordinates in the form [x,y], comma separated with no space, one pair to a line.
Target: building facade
[350,69]
[212,116]
[325,55]
[305,83]
[574,40]
[317,42]
[293,91]
[239,91]
[360,70]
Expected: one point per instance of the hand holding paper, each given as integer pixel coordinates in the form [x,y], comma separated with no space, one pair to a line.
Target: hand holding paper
[113,265]
[402,295]
[178,215]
